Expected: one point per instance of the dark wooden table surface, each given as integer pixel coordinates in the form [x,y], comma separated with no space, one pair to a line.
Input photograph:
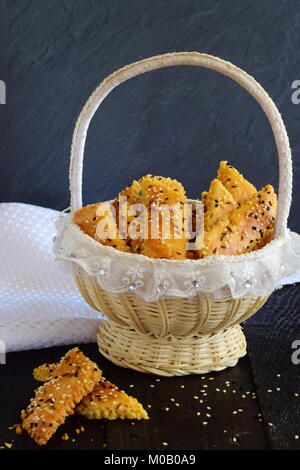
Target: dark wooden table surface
[254,405]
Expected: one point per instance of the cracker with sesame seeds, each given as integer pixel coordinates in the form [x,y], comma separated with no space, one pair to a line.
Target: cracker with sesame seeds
[218,203]
[105,401]
[249,227]
[95,216]
[160,194]
[133,196]
[44,372]
[108,401]
[73,378]
[240,188]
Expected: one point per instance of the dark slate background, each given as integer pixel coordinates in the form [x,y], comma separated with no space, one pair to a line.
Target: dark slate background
[177,122]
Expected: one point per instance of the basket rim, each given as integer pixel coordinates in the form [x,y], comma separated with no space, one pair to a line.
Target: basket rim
[209,260]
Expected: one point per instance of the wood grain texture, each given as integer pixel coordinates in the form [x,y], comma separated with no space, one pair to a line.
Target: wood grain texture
[270,334]
[180,427]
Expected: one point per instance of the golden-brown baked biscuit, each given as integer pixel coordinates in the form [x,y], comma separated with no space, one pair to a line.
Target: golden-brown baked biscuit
[132,194]
[92,218]
[74,377]
[159,194]
[247,228]
[105,401]
[108,401]
[218,203]
[44,372]
[124,216]
[235,183]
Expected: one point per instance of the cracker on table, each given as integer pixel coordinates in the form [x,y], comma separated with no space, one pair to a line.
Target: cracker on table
[108,401]
[105,401]
[44,372]
[74,377]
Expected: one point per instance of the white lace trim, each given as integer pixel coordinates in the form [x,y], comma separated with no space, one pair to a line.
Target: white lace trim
[257,273]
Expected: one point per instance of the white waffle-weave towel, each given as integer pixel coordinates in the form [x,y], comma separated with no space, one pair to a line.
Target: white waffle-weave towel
[40,305]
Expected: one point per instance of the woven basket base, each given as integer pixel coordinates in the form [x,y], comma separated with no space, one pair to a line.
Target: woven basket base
[171,356]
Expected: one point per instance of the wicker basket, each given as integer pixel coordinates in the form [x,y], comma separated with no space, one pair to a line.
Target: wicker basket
[174,336]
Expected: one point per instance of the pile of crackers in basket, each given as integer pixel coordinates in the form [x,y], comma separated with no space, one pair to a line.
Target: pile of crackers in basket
[237,217]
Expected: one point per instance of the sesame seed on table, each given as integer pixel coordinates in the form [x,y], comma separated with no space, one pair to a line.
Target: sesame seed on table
[254,405]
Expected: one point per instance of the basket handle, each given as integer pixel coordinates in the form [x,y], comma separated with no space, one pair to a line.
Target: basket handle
[200,60]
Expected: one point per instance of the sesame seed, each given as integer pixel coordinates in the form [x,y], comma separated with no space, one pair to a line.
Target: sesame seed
[296,436]
[204,423]
[165,443]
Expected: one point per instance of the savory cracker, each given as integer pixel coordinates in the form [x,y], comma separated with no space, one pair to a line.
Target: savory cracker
[122,204]
[218,203]
[74,377]
[159,195]
[44,372]
[105,401]
[132,194]
[92,218]
[247,228]
[108,401]
[235,183]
